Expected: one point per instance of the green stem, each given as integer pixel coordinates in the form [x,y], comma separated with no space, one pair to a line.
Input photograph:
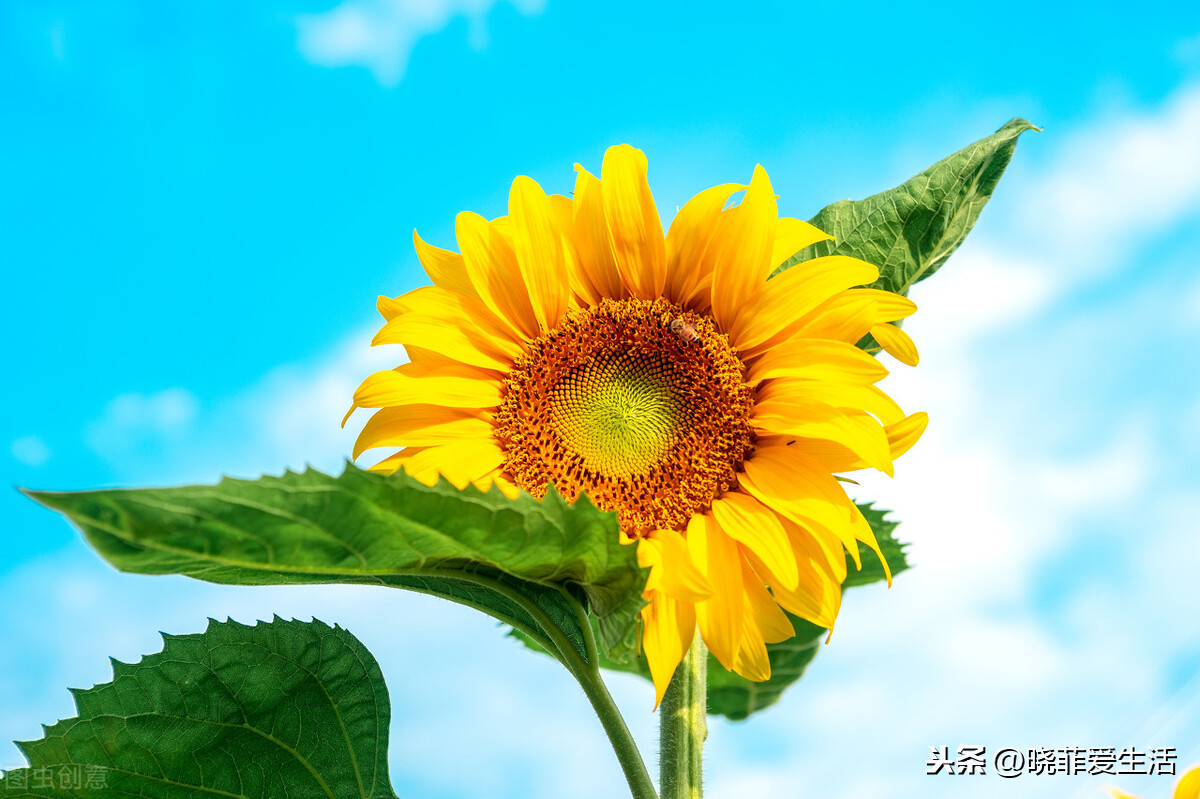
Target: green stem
[683,726]
[587,674]
[618,734]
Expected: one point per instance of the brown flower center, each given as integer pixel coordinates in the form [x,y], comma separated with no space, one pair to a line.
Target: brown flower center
[638,403]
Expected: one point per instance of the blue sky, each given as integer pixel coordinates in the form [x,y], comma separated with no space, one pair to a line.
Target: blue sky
[199,205]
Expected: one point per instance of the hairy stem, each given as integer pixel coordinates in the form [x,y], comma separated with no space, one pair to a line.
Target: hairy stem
[587,674]
[683,726]
[618,734]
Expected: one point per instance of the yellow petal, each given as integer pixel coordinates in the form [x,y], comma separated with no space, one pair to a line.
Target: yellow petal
[906,432]
[665,553]
[792,236]
[1189,785]
[469,311]
[668,629]
[890,306]
[596,258]
[720,616]
[393,462]
[581,284]
[847,317]
[780,307]
[772,622]
[389,308]
[858,432]
[453,338]
[539,251]
[835,395]
[454,386]
[444,267]
[897,343]
[460,463]
[822,564]
[688,240]
[749,522]
[834,458]
[419,426]
[752,661]
[494,272]
[633,223]
[496,478]
[793,485]
[743,255]
[817,359]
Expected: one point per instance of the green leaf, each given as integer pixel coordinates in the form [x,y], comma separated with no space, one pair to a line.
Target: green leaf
[910,231]
[736,697]
[286,708]
[529,564]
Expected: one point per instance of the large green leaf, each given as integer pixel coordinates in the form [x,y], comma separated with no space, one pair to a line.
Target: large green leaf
[525,562]
[287,708]
[910,231]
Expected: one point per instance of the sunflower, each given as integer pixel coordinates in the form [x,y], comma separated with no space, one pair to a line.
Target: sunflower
[667,378]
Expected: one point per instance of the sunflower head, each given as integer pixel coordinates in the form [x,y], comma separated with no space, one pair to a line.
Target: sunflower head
[571,342]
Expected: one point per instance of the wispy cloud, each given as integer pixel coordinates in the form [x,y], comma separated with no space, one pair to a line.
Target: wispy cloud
[30,450]
[1114,185]
[133,422]
[380,34]
[288,419]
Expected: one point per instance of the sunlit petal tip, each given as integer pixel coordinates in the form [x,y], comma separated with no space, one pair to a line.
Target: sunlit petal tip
[903,435]
[896,343]
[622,151]
[793,235]
[752,661]
[388,307]
[349,413]
[669,626]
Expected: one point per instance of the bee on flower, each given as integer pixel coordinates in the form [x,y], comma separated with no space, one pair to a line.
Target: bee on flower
[684,330]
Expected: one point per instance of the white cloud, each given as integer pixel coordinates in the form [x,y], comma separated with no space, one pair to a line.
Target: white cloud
[293,414]
[133,421]
[287,420]
[1116,184]
[380,34]
[30,450]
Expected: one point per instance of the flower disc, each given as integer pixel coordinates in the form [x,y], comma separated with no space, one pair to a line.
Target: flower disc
[638,403]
